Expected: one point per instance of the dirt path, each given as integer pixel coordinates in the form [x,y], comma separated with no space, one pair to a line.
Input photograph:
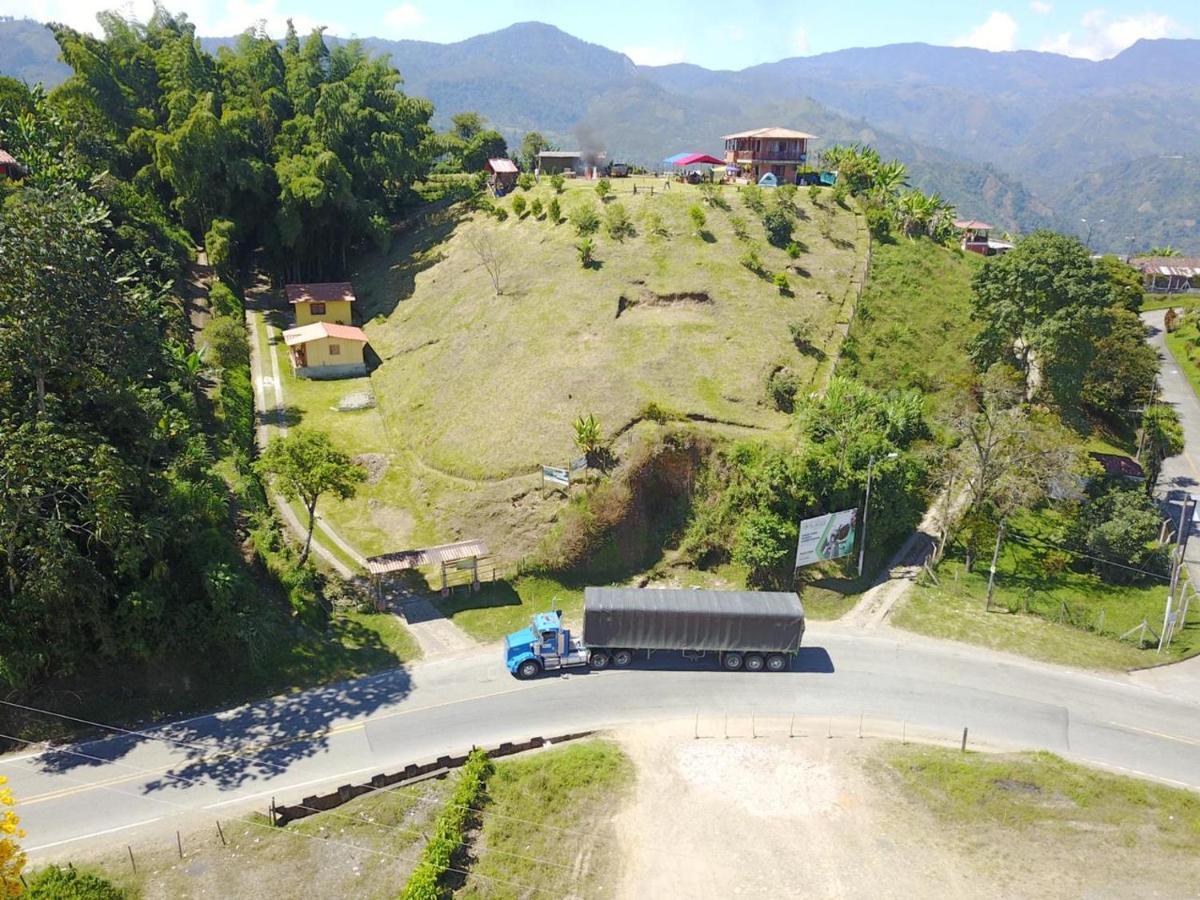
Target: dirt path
[772,817]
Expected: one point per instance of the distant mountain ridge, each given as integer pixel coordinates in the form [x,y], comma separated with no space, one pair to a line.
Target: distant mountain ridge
[1024,139]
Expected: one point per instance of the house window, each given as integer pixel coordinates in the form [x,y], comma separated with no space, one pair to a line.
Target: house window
[317,309]
[335,350]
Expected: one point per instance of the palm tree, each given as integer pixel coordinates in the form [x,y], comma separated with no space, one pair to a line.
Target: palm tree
[1163,251]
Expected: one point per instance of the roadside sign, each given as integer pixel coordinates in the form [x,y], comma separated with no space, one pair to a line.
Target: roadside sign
[580,463]
[826,537]
[556,476]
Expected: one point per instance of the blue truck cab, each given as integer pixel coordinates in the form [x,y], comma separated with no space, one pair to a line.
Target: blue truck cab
[543,646]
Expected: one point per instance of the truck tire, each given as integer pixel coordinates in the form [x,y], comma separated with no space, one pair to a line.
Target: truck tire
[531,668]
[622,658]
[598,659]
[732,661]
[777,662]
[754,662]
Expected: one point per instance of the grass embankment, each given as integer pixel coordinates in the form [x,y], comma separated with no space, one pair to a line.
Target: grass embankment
[365,848]
[475,391]
[506,606]
[1184,344]
[1073,617]
[1169,301]
[547,824]
[1110,831]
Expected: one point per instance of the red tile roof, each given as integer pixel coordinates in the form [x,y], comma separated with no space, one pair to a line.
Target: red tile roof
[6,159]
[502,165]
[317,330]
[322,292]
[1119,465]
[973,224]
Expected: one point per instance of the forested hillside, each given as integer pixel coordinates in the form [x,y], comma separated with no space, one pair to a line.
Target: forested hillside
[117,534]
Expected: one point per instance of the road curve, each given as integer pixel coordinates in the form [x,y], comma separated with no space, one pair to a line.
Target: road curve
[232,762]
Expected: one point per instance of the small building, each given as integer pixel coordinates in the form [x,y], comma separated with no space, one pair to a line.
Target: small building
[9,167]
[553,162]
[323,302]
[326,350]
[976,238]
[781,152]
[1168,274]
[502,174]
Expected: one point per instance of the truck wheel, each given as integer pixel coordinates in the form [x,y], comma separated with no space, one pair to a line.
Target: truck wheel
[777,662]
[622,657]
[531,668]
[598,659]
[732,661]
[754,662]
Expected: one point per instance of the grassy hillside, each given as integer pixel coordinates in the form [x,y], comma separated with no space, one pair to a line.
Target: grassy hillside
[475,391]
[913,324]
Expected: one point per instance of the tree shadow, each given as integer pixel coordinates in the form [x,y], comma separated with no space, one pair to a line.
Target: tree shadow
[593,265]
[490,596]
[707,236]
[288,416]
[801,271]
[260,739]
[413,253]
[841,243]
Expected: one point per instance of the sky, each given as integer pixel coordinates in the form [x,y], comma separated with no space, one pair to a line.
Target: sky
[713,33]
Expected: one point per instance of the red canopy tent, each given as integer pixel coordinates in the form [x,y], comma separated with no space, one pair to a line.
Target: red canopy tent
[698,159]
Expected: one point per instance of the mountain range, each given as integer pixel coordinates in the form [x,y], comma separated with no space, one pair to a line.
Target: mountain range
[1023,139]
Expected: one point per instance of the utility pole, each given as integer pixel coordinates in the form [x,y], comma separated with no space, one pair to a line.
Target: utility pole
[862,544]
[1180,549]
[995,559]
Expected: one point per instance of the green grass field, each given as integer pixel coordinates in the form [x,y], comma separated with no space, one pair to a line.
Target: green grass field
[1073,618]
[1184,344]
[1169,301]
[522,828]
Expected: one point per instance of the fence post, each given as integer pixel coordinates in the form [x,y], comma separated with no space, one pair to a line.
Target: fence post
[964,740]
[132,864]
[179,844]
[221,833]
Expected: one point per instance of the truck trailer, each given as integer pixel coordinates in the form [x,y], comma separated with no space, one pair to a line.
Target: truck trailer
[752,630]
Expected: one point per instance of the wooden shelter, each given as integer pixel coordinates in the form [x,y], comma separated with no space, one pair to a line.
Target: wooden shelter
[461,555]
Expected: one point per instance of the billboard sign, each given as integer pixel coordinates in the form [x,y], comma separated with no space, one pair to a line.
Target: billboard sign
[552,475]
[826,537]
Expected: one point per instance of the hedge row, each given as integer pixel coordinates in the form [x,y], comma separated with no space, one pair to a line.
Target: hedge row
[449,830]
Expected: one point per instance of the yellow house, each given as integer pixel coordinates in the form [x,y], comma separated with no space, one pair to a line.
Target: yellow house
[325,302]
[326,350]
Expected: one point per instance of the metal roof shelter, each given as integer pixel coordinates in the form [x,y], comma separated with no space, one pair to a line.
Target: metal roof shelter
[502,165]
[445,556]
[696,159]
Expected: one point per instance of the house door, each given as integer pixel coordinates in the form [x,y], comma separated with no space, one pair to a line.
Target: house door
[302,356]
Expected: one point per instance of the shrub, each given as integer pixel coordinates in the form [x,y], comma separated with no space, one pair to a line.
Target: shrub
[655,225]
[1170,320]
[879,221]
[587,252]
[535,208]
[764,543]
[225,338]
[518,206]
[554,211]
[55,883]
[696,214]
[778,226]
[1120,527]
[585,220]
[525,181]
[603,188]
[500,213]
[793,250]
[713,195]
[558,182]
[840,193]
[220,246]
[814,194]
[781,281]
[782,388]
[740,230]
[224,302]
[750,259]
[617,223]
[449,830]
[235,404]
[785,198]
[752,196]
[801,331]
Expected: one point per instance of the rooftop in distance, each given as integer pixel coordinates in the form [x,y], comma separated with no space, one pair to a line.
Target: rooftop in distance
[321,292]
[771,132]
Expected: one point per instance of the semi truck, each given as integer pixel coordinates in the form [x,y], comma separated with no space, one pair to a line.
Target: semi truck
[751,630]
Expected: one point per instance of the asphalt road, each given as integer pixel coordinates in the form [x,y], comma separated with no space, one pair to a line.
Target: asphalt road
[231,763]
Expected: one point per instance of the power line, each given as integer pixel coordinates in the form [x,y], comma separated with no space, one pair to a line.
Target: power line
[1034,542]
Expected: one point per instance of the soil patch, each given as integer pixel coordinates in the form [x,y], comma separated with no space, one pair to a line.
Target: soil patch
[646,297]
[374,463]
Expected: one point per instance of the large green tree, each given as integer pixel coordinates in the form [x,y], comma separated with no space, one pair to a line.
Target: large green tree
[1042,307]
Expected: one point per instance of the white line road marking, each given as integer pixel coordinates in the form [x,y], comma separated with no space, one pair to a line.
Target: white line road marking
[293,787]
[84,837]
[1161,734]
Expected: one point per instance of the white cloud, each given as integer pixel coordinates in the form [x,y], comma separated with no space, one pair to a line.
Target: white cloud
[1041,7]
[1102,37]
[800,40]
[654,56]
[403,18]
[998,32]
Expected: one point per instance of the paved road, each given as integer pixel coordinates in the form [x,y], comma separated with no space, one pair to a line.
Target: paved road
[233,762]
